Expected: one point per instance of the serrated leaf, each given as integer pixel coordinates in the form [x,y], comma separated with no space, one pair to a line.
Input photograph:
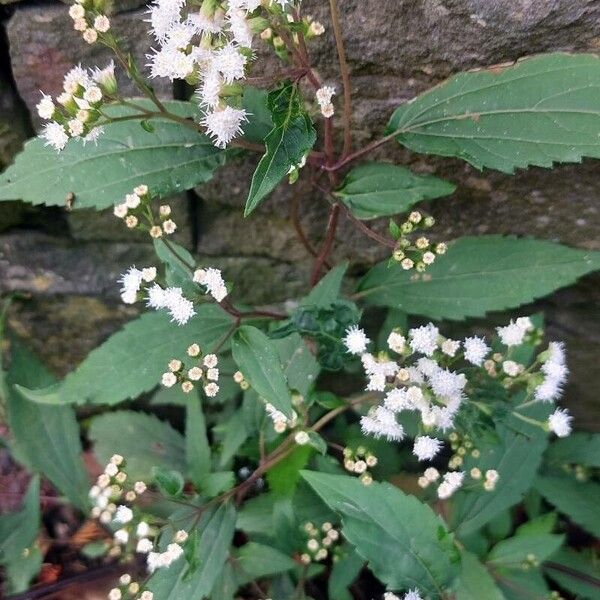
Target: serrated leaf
[576,499]
[474,581]
[539,111]
[257,357]
[215,530]
[405,542]
[284,476]
[289,141]
[254,561]
[478,275]
[300,366]
[513,551]
[344,571]
[516,457]
[132,360]
[143,439]
[46,438]
[381,189]
[169,160]
[260,122]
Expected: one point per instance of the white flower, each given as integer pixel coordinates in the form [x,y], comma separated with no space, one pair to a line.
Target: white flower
[397,400]
[130,285]
[174,551]
[180,35]
[390,596]
[328,111]
[431,474]
[164,15]
[93,135]
[240,28]
[169,226]
[149,274]
[75,127]
[76,79]
[121,536]
[142,530]
[452,481]
[180,536]
[524,323]
[123,514]
[230,62]
[76,11]
[144,546]
[213,281]
[210,361]
[413,595]
[381,422]
[475,350]
[355,341]
[425,447]
[301,438]
[224,124]
[396,342]
[560,422]
[211,390]
[424,339]
[511,368]
[447,384]
[92,94]
[45,107]
[114,594]
[195,373]
[324,95]
[450,347]
[111,469]
[90,35]
[105,77]
[209,93]
[147,595]
[512,334]
[55,136]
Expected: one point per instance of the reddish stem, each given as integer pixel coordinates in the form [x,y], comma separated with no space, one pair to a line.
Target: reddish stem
[368,231]
[327,244]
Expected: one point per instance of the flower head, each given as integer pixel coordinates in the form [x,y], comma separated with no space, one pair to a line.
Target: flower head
[355,340]
[560,422]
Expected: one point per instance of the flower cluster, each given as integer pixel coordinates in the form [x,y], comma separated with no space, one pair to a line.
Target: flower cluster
[420,380]
[205,371]
[358,461]
[212,280]
[324,96]
[87,19]
[410,595]
[78,109]
[173,551]
[128,589]
[132,281]
[238,377]
[136,212]
[280,421]
[173,301]
[420,252]
[319,542]
[308,27]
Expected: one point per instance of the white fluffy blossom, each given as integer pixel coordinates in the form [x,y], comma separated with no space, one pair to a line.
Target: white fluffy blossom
[230,62]
[164,15]
[555,374]
[123,514]
[55,135]
[426,448]
[424,339]
[413,595]
[212,279]
[475,350]
[452,482]
[224,124]
[130,285]
[560,422]
[355,340]
[513,333]
[381,422]
[171,299]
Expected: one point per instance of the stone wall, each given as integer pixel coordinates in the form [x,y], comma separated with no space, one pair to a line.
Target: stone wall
[63,266]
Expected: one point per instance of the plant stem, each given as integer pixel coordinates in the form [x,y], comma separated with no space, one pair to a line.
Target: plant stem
[388,243]
[327,244]
[345,73]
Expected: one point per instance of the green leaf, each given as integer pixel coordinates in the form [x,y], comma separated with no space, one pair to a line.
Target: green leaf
[234,435]
[522,585]
[19,530]
[516,550]
[317,442]
[543,524]
[475,582]
[477,275]
[46,438]
[381,189]
[577,572]
[539,111]
[406,543]
[20,571]
[215,530]
[168,160]
[254,561]
[579,448]
[283,477]
[516,457]
[300,366]
[132,360]
[576,499]
[327,291]
[143,439]
[197,448]
[289,141]
[257,357]
[344,571]
[260,122]
[170,483]
[177,260]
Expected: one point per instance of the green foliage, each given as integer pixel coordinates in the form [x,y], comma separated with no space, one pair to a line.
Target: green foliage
[539,111]
[344,572]
[404,541]
[299,365]
[579,448]
[257,357]
[381,189]
[576,499]
[475,581]
[514,551]
[170,483]
[170,159]
[478,275]
[327,291]
[254,561]
[260,121]
[146,441]
[210,549]
[46,438]
[577,572]
[19,557]
[135,357]
[197,448]
[287,143]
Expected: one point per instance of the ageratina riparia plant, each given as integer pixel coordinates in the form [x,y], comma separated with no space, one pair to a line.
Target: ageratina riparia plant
[350,444]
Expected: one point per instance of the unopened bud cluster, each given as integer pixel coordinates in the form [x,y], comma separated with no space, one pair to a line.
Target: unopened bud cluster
[462,447]
[490,478]
[319,542]
[307,27]
[77,111]
[203,372]
[415,252]
[358,461]
[280,422]
[238,377]
[128,589]
[136,212]
[89,20]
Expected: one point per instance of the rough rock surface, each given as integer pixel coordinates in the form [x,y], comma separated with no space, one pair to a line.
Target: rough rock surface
[67,264]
